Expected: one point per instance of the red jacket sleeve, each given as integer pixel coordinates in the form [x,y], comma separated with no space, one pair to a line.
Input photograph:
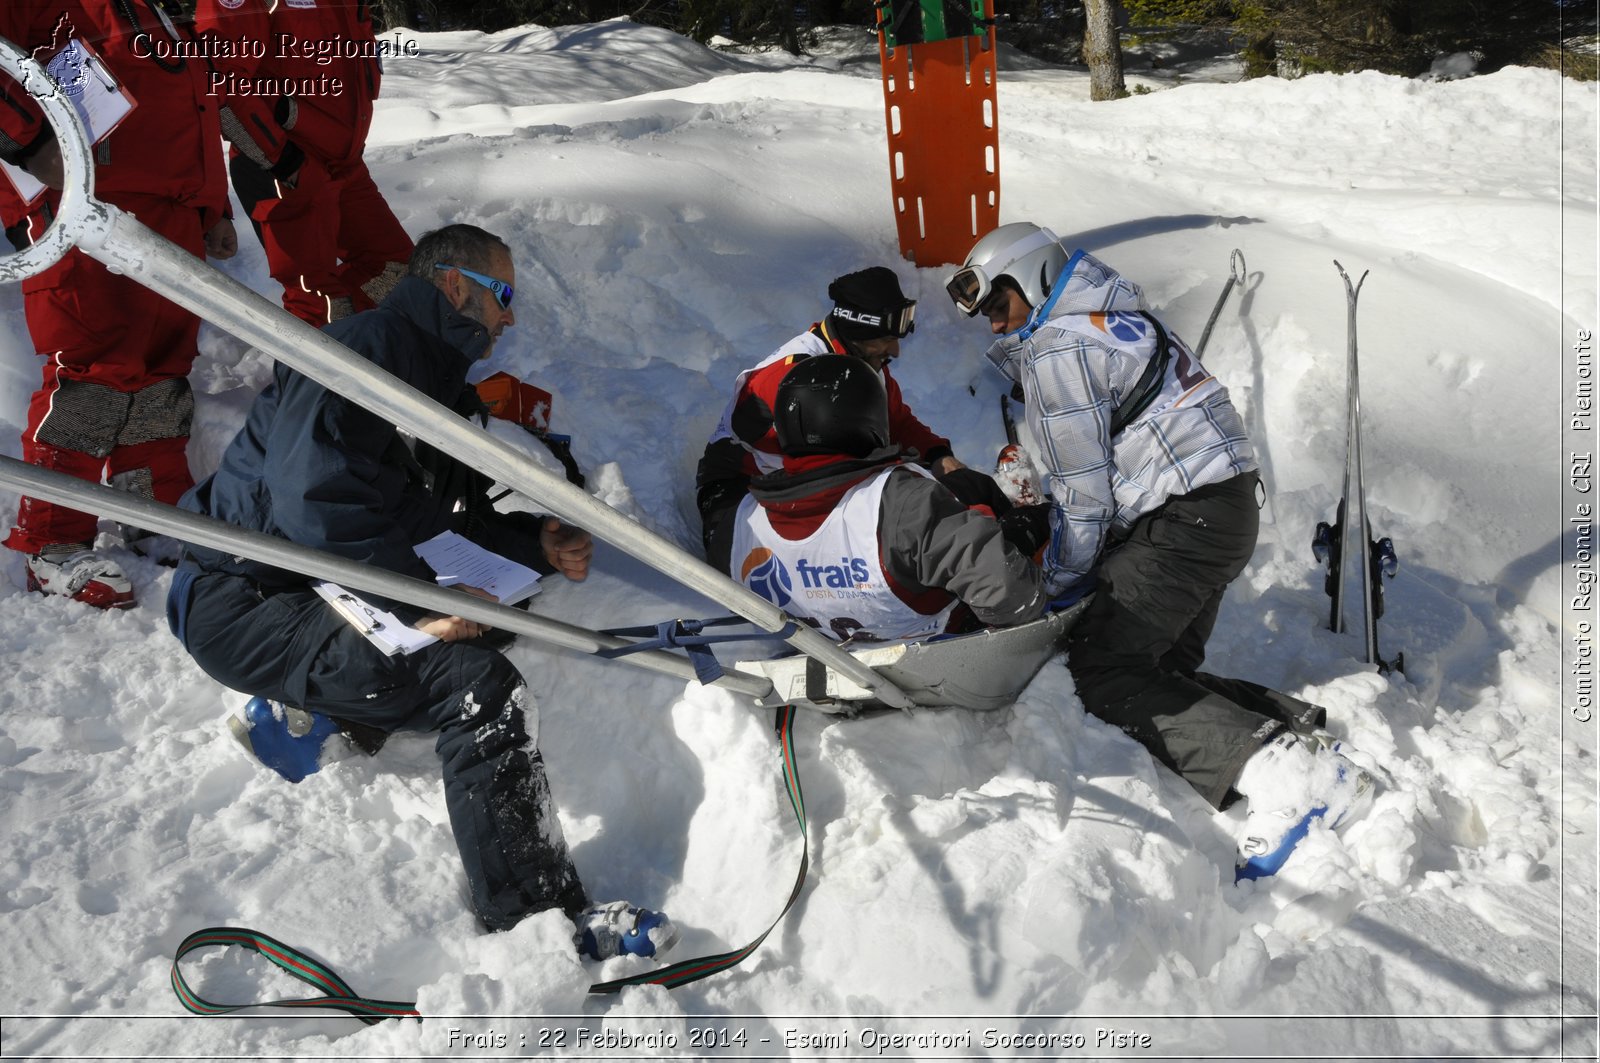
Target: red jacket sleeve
[265,40]
[752,418]
[908,432]
[241,40]
[22,123]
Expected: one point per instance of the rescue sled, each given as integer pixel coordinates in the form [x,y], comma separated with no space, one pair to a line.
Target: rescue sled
[980,670]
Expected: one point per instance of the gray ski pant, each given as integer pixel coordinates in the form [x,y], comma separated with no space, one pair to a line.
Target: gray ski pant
[1136,652]
[292,647]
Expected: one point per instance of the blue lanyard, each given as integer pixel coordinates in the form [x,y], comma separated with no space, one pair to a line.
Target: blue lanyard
[1042,314]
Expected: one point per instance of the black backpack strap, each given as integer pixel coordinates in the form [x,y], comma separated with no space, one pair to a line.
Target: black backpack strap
[1149,385]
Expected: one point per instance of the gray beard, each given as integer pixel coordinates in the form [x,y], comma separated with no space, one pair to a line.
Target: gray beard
[473,310]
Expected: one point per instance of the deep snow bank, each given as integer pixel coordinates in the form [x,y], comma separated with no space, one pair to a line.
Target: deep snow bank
[677,214]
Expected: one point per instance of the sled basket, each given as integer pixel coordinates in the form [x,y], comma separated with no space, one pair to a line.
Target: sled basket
[981,670]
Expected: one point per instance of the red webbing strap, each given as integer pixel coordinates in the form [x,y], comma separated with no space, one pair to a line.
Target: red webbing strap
[337,992]
[686,971]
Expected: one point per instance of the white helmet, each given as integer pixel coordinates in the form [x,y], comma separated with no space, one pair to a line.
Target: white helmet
[1028,255]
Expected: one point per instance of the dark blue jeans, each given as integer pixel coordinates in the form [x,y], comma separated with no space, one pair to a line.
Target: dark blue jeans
[292,647]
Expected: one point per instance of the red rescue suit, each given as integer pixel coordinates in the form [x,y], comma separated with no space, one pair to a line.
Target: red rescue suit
[115,402]
[299,79]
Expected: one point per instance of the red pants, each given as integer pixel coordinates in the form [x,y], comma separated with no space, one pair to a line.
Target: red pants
[115,403]
[325,238]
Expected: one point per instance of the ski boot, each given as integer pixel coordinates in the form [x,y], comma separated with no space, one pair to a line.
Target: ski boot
[621,929]
[74,570]
[1292,782]
[286,739]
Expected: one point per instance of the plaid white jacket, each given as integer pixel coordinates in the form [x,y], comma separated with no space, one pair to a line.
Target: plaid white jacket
[1081,357]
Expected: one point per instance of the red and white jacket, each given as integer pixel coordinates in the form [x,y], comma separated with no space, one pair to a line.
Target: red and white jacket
[835,574]
[874,549]
[757,388]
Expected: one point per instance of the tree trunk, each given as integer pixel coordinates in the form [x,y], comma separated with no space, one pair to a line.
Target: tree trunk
[412,14]
[1102,50]
[788,30]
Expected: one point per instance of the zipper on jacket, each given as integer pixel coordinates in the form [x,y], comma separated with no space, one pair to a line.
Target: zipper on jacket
[126,8]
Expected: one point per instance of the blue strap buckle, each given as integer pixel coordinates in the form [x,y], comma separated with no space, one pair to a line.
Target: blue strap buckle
[686,635]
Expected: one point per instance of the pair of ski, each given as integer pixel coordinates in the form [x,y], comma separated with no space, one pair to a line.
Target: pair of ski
[1333,545]
[1339,553]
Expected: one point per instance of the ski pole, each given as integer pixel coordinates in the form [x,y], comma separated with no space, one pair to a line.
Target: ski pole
[1236,275]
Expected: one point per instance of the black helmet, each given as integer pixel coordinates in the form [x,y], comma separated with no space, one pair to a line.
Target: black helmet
[830,404]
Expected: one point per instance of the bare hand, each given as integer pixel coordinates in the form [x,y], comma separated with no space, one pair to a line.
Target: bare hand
[946,465]
[567,548]
[222,242]
[455,628]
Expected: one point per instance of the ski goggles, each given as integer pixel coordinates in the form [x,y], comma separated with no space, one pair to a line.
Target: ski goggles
[899,322]
[501,291]
[971,286]
[969,289]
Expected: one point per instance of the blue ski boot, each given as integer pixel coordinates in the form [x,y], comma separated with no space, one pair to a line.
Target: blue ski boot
[286,739]
[1292,782]
[621,929]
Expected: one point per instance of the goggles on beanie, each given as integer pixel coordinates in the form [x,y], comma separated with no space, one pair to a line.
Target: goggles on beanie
[501,291]
[898,322]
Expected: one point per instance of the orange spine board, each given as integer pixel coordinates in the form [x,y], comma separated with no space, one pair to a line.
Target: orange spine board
[944,145]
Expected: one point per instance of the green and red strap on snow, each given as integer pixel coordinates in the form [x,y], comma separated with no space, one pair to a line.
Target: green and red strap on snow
[339,996]
[682,973]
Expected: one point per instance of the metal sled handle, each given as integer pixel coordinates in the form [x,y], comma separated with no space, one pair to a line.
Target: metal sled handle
[81,215]
[368,579]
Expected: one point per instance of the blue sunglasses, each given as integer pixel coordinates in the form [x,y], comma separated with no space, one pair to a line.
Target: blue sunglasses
[499,289]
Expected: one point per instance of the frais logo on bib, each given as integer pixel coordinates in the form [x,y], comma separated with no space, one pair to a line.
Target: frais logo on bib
[763,573]
[848,574]
[1125,327]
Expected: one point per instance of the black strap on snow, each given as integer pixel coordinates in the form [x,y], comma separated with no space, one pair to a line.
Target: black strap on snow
[685,635]
[686,971]
[1149,385]
[339,995]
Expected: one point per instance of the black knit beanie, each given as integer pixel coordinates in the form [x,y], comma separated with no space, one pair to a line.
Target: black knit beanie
[863,302]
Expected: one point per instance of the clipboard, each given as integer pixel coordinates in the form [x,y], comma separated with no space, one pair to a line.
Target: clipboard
[382,628]
[101,100]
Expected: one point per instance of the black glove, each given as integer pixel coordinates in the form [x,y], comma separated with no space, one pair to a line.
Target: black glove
[974,488]
[1027,527]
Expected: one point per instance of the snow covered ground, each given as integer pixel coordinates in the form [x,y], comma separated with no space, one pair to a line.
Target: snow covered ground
[677,213]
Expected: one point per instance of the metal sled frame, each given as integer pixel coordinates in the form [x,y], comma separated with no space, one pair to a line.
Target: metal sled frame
[118,240]
[981,670]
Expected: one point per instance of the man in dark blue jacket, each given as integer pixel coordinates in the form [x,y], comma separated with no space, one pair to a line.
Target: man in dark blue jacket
[313,467]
